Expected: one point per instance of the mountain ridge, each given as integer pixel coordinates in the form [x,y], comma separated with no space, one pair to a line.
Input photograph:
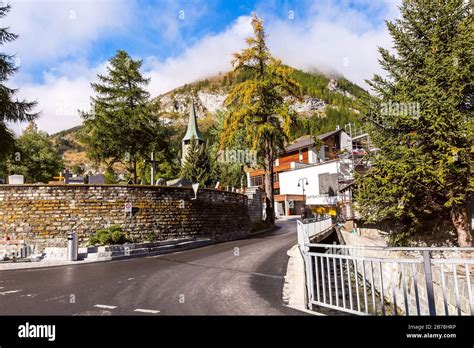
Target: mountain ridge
[326,100]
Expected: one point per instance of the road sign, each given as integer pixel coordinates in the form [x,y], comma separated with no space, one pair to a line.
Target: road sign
[291,204]
[128,207]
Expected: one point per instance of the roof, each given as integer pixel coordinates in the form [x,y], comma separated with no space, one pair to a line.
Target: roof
[307,140]
[180,182]
[193,130]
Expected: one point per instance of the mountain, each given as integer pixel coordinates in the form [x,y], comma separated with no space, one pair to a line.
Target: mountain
[327,101]
[318,90]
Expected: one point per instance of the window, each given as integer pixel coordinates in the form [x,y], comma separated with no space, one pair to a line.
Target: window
[275,177]
[256,180]
[326,153]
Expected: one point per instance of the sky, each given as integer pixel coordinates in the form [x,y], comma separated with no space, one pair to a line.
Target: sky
[64,44]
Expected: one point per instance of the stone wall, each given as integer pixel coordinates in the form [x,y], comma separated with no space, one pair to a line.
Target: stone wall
[255,196]
[43,214]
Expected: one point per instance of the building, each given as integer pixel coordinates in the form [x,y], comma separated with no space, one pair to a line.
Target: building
[191,132]
[307,172]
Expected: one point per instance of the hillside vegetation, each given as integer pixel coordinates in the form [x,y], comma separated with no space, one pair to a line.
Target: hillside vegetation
[326,102]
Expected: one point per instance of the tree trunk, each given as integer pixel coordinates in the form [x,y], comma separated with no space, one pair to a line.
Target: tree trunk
[459,220]
[134,173]
[269,200]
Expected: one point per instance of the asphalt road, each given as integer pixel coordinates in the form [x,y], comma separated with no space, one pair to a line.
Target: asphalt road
[243,277]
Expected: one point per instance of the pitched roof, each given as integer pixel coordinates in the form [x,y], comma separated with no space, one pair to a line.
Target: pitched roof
[307,140]
[193,130]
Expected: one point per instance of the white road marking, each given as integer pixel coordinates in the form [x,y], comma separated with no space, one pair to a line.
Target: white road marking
[105,306]
[9,292]
[130,278]
[151,311]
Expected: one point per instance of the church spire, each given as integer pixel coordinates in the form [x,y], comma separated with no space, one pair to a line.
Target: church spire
[192,132]
[193,129]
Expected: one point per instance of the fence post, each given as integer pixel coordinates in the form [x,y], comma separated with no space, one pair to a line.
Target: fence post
[309,282]
[429,282]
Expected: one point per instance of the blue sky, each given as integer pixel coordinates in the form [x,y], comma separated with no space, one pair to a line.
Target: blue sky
[63,44]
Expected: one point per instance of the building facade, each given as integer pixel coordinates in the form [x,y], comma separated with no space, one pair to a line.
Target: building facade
[307,173]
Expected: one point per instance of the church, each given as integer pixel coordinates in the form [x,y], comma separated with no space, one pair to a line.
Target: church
[191,132]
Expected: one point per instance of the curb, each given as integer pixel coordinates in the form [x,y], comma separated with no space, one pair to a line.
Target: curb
[60,262]
[294,289]
[266,230]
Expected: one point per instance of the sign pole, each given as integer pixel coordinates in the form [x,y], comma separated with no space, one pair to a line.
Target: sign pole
[152,168]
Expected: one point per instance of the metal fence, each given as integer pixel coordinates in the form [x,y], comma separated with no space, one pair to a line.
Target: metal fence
[310,228]
[372,280]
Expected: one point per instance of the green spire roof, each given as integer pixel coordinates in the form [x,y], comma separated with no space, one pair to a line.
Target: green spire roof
[193,129]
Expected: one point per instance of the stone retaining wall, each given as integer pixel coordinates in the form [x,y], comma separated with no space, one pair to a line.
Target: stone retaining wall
[255,196]
[43,214]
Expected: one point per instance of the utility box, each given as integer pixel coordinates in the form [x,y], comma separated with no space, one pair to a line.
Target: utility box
[72,246]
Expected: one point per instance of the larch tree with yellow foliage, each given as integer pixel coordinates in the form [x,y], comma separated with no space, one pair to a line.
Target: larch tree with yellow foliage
[257,105]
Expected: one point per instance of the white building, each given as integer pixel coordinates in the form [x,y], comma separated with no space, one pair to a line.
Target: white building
[315,167]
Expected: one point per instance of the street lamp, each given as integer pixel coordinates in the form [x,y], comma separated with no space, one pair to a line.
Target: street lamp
[302,183]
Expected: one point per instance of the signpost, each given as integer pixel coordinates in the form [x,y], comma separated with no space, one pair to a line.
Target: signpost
[128,208]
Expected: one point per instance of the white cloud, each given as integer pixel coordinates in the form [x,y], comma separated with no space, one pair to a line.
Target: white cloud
[208,57]
[61,96]
[50,30]
[329,37]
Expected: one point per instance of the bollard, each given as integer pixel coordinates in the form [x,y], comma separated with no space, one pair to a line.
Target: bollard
[72,246]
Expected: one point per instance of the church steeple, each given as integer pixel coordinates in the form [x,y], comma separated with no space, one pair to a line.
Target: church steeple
[192,131]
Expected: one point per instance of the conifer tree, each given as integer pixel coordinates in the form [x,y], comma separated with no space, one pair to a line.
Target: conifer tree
[198,166]
[11,109]
[121,127]
[422,122]
[257,105]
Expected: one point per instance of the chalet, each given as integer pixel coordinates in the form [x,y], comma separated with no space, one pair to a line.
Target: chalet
[306,172]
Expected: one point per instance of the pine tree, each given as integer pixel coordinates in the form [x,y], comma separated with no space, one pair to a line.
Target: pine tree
[256,105]
[11,109]
[121,127]
[422,121]
[198,166]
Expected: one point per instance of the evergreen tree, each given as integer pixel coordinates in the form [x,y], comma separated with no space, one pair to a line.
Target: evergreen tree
[229,173]
[198,166]
[36,158]
[256,105]
[11,109]
[121,127]
[422,121]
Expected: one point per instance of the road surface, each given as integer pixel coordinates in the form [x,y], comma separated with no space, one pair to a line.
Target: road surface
[243,277]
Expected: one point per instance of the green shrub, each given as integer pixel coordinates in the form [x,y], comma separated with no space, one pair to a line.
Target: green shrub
[118,237]
[94,240]
[111,235]
[105,239]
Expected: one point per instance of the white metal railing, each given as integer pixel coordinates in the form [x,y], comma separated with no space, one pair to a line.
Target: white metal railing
[309,228]
[372,280]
